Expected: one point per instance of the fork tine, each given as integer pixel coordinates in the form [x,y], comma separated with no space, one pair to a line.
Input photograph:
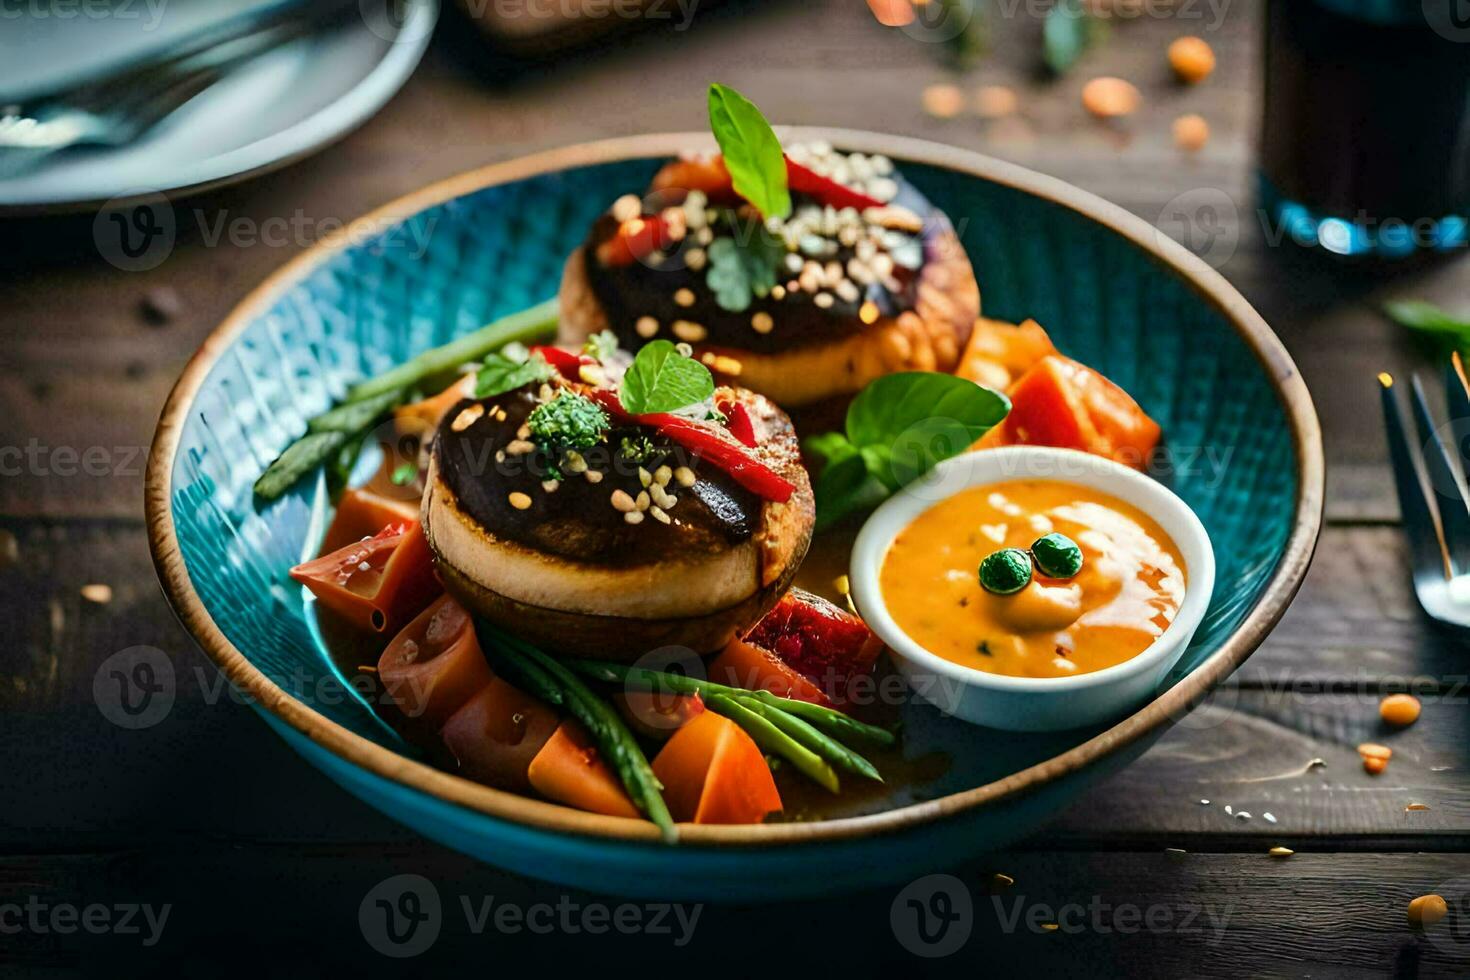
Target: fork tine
[1421,523]
[1444,482]
[1457,396]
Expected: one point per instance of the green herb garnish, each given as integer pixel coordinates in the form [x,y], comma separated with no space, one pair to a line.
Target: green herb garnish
[661,380]
[601,345]
[1056,556]
[568,421]
[898,428]
[637,449]
[1006,572]
[739,270]
[502,373]
[404,474]
[751,150]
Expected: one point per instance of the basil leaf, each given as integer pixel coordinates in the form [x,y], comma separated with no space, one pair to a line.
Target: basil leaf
[898,428]
[501,374]
[662,380]
[741,271]
[1069,30]
[752,152]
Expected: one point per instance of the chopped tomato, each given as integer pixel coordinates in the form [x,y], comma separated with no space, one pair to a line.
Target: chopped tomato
[377,584]
[497,733]
[434,664]
[361,513]
[634,239]
[1062,403]
[657,714]
[713,772]
[569,770]
[746,665]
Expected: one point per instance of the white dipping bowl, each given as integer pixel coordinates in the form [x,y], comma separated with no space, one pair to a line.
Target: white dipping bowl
[1034,704]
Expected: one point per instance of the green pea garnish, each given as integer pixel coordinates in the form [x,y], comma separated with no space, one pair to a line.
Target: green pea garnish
[1006,571]
[1056,556]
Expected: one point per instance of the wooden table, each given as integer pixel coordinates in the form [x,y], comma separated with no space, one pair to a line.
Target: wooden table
[263,861]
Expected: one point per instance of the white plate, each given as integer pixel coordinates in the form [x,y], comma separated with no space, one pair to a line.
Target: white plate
[275,109]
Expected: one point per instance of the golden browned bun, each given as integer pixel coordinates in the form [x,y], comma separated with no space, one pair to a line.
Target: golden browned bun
[858,294]
[558,563]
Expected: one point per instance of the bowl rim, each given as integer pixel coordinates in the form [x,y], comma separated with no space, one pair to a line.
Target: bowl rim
[536,814]
[1114,479]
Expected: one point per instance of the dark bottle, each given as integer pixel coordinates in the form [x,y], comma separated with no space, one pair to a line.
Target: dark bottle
[1366,139]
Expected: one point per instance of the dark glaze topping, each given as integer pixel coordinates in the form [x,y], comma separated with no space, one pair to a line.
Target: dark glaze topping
[886,248]
[576,520]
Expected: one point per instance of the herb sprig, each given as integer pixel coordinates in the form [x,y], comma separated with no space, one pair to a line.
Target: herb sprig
[662,379]
[751,150]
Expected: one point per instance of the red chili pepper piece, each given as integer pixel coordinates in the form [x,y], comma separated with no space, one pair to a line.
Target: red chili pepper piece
[707,443]
[565,362]
[737,421]
[826,190]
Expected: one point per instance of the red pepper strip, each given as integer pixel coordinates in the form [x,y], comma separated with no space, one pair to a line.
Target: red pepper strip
[738,422]
[826,190]
[565,362]
[751,474]
[634,239]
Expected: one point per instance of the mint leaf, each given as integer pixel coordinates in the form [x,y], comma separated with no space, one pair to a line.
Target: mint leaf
[898,428]
[752,152]
[662,380]
[739,272]
[501,374]
[1069,30]
[1419,315]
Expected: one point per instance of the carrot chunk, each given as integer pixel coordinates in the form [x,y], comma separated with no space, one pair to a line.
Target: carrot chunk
[361,513]
[434,664]
[746,665]
[569,770]
[378,584]
[714,773]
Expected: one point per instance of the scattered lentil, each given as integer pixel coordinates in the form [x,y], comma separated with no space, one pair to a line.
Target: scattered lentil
[1110,98]
[1399,710]
[1192,59]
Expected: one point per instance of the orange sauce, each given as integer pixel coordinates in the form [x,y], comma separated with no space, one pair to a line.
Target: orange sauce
[1127,593]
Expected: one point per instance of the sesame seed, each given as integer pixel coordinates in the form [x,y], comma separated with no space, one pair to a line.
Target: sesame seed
[778,292]
[524,432]
[621,501]
[659,496]
[575,462]
[687,330]
[695,258]
[627,207]
[519,501]
[684,350]
[684,476]
[663,475]
[761,322]
[97,592]
[684,297]
[646,326]
[642,502]
[519,447]
[500,455]
[544,394]
[659,515]
[704,236]
[591,374]
[823,300]
[549,485]
[633,517]
[594,476]
[847,292]
[793,262]
[644,477]
[467,417]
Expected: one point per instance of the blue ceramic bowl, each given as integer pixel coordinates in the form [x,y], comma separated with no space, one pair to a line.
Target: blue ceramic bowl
[1112,291]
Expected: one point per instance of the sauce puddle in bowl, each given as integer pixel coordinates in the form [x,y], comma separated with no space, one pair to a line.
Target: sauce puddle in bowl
[1129,589]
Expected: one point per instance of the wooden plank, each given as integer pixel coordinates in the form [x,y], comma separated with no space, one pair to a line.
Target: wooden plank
[1117,914]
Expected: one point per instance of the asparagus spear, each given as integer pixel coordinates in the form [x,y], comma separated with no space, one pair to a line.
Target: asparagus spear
[818,742]
[300,458]
[545,675]
[833,722]
[770,737]
[534,324]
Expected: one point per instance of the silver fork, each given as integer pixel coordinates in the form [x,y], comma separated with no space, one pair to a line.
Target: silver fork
[1432,492]
[118,108]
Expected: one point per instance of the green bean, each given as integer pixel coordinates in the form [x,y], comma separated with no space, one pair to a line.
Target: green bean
[534,324]
[359,415]
[612,736]
[818,742]
[300,458]
[832,722]
[772,739]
